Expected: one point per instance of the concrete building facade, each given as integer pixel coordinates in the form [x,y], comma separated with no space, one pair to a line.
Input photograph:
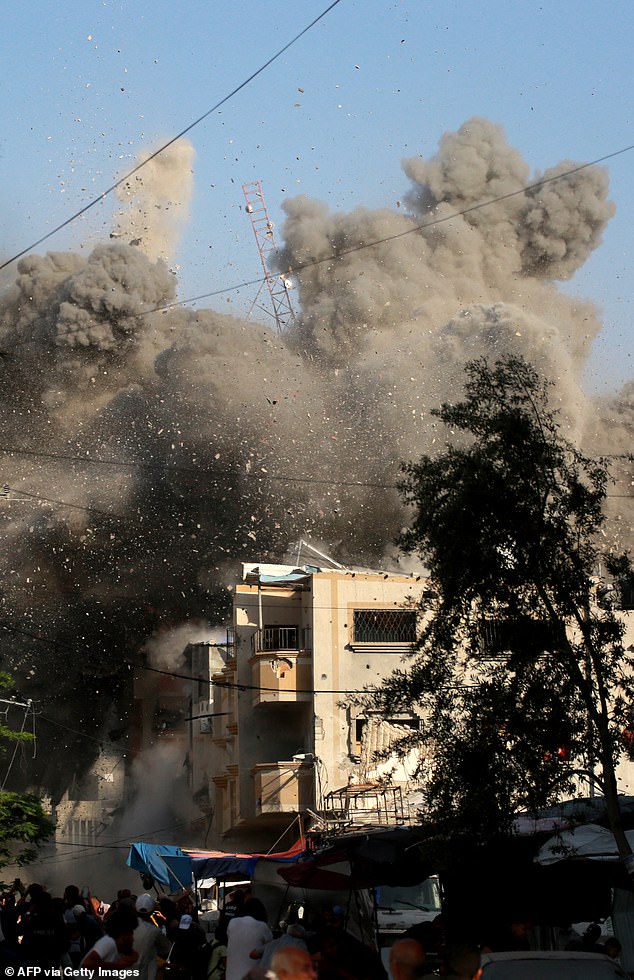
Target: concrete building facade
[284,742]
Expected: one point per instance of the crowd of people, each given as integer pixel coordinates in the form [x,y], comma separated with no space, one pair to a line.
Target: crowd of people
[160,938]
[141,933]
[157,937]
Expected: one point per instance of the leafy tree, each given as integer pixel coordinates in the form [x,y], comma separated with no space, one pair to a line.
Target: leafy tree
[520,673]
[23,822]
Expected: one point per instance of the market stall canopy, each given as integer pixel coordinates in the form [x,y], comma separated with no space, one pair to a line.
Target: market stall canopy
[376,857]
[165,863]
[572,813]
[589,842]
[220,864]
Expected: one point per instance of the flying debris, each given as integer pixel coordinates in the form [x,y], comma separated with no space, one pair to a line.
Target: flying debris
[153,425]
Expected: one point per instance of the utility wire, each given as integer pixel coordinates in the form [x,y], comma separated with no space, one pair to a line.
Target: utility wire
[31,636]
[340,253]
[116,844]
[165,146]
[203,472]
[27,709]
[243,687]
[85,735]
[52,500]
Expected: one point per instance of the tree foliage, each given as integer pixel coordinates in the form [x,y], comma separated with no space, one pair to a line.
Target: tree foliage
[23,822]
[520,673]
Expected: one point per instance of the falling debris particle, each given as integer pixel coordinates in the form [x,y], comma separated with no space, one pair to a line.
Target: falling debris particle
[140,408]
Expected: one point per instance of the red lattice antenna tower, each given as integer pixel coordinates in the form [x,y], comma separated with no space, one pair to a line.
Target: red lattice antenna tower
[278,285]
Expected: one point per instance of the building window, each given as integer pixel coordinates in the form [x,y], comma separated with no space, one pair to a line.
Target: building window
[499,637]
[384,626]
[388,728]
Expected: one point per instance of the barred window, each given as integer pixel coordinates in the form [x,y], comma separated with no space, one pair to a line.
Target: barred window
[384,626]
[521,635]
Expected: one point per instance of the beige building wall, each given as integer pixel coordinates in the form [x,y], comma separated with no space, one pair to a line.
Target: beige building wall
[625,769]
[341,665]
[289,740]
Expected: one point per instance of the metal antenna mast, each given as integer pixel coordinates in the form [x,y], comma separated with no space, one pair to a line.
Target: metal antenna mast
[278,285]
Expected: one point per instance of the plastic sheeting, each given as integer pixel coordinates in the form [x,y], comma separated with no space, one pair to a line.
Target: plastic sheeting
[166,863]
[220,864]
[589,841]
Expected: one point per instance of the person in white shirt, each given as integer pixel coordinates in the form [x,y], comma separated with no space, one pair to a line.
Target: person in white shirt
[114,951]
[148,940]
[246,933]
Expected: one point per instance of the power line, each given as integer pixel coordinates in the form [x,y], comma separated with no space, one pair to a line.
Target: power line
[203,472]
[31,636]
[235,685]
[116,844]
[165,146]
[85,735]
[227,474]
[52,500]
[340,253]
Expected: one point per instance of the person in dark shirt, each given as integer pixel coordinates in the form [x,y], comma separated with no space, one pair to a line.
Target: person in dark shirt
[43,931]
[233,907]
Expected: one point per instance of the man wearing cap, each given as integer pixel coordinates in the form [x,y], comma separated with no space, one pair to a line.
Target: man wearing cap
[187,956]
[148,940]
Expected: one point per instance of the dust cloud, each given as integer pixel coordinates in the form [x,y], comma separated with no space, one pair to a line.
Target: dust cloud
[146,451]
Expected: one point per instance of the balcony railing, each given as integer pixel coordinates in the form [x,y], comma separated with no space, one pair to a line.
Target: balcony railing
[275,638]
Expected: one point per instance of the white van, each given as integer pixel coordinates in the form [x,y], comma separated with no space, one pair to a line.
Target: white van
[400,907]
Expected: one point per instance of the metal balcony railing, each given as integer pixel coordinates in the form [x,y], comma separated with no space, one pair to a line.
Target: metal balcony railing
[276,638]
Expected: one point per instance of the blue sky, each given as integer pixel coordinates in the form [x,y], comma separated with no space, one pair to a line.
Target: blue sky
[87,84]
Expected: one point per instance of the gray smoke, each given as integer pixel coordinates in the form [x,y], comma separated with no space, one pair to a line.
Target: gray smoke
[158,449]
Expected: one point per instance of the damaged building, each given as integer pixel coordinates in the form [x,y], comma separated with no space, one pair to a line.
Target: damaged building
[284,740]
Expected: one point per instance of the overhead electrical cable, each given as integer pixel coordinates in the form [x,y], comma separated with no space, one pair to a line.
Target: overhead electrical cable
[340,253]
[27,709]
[10,628]
[116,844]
[165,146]
[203,472]
[237,685]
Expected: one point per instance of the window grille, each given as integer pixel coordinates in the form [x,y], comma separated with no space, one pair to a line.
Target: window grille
[500,636]
[384,626]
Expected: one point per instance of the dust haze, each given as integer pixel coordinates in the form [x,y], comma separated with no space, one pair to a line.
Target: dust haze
[147,451]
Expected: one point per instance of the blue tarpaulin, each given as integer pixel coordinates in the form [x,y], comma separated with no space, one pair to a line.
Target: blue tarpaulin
[166,863]
[219,864]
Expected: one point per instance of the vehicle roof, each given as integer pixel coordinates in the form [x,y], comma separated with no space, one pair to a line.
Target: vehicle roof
[542,954]
[564,964]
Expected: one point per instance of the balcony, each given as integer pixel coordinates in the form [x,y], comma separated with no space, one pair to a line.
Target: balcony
[276,639]
[283,787]
[277,678]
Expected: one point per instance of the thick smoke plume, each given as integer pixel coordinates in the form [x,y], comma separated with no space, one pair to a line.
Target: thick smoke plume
[147,453]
